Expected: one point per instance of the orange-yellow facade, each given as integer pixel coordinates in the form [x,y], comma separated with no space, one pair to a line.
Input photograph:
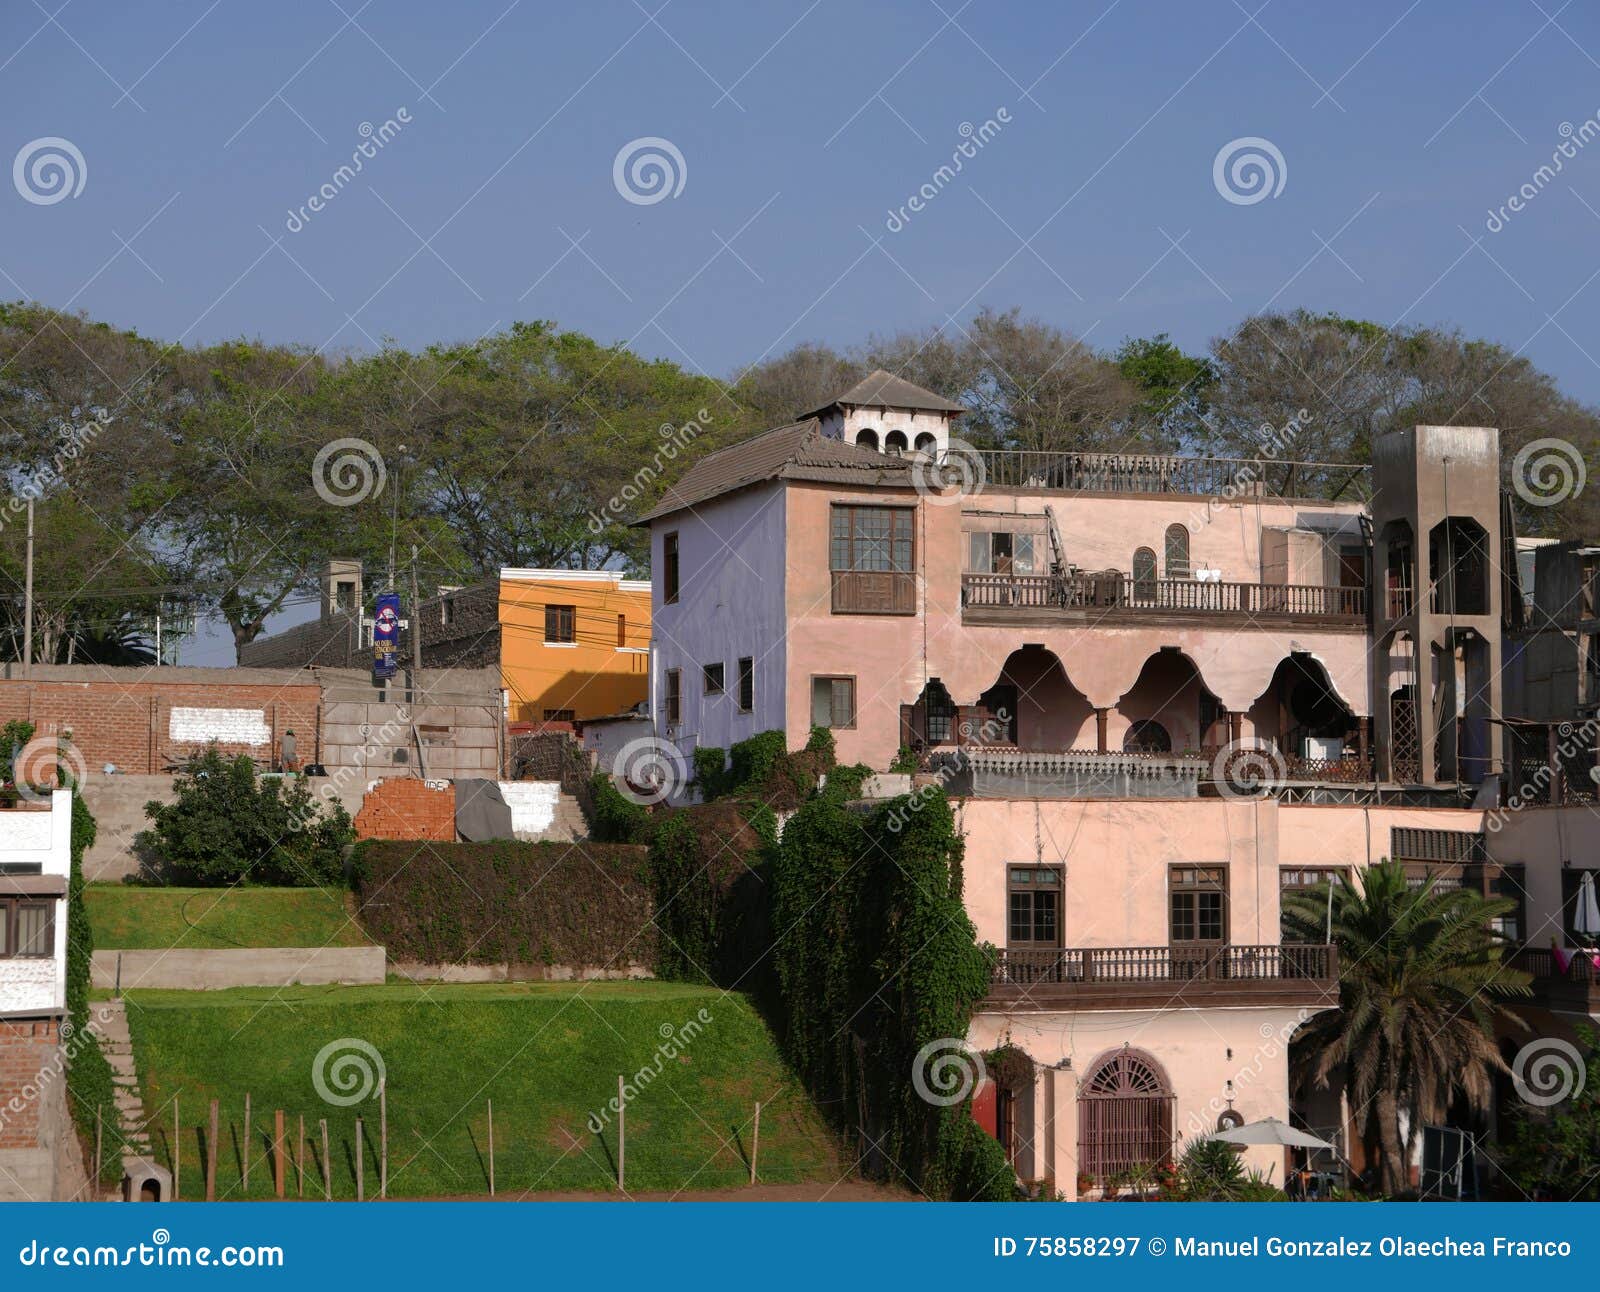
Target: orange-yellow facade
[574,644]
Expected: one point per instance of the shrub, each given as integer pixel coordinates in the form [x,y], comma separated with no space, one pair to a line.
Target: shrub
[711,771]
[581,904]
[613,816]
[706,876]
[229,826]
[1210,1171]
[752,760]
[13,736]
[905,760]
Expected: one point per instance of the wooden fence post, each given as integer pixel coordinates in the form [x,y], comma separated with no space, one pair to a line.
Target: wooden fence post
[491,1147]
[383,1138]
[177,1148]
[246,1168]
[300,1157]
[755,1143]
[327,1165]
[361,1164]
[211,1155]
[622,1136]
[277,1152]
[99,1156]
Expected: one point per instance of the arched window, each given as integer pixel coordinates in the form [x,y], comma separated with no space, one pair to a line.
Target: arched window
[867,438]
[1147,736]
[1177,552]
[927,443]
[1144,574]
[895,442]
[1124,1115]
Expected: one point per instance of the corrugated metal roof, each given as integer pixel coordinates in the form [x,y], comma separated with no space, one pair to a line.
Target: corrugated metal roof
[799,451]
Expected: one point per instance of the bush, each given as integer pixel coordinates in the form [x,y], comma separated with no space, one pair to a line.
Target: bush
[230,826]
[613,816]
[1210,1171]
[711,771]
[505,902]
[706,876]
[13,736]
[752,760]
[905,760]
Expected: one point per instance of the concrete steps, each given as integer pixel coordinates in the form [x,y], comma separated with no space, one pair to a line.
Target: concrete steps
[132,1133]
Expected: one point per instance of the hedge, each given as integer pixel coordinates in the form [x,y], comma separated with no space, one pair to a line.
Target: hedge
[583,904]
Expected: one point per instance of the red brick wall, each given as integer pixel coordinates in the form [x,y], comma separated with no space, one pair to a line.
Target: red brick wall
[405,808]
[126,723]
[27,1054]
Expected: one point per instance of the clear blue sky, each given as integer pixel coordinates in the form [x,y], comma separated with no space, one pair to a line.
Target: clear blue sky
[801,126]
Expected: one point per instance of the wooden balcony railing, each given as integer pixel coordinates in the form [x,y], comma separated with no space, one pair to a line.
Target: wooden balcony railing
[1112,976]
[1113,591]
[874,592]
[1159,473]
[1575,989]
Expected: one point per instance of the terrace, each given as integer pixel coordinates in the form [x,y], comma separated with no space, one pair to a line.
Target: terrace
[1296,974]
[1112,595]
[1161,474]
[1575,990]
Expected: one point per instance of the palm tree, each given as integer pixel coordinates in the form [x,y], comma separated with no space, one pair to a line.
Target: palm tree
[1420,977]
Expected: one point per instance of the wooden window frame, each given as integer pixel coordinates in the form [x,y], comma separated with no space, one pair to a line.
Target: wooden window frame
[622,631]
[1017,887]
[560,715]
[1183,569]
[890,589]
[832,678]
[670,569]
[709,688]
[559,618]
[673,700]
[1216,883]
[747,684]
[10,920]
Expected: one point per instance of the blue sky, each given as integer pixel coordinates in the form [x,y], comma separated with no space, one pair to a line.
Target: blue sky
[801,126]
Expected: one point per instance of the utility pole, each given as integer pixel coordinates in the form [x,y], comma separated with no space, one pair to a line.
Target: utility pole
[416,629]
[27,601]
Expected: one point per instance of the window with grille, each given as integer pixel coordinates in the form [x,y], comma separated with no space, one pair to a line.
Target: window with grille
[1450,846]
[674,696]
[622,631]
[1198,904]
[872,560]
[747,684]
[669,569]
[558,715]
[27,928]
[561,624]
[1033,897]
[711,677]
[1177,551]
[833,702]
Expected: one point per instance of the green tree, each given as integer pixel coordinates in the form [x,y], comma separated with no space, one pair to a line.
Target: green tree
[1554,1148]
[1421,976]
[1174,391]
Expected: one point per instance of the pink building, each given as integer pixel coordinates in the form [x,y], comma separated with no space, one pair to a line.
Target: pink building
[1163,691]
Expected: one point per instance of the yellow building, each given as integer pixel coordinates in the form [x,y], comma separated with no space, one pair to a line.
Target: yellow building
[574,644]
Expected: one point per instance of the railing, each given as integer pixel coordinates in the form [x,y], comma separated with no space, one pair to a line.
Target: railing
[1114,591]
[1271,962]
[1576,988]
[1158,473]
[874,592]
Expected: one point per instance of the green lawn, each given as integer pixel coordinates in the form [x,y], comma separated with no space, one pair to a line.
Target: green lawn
[547,1054]
[133,919]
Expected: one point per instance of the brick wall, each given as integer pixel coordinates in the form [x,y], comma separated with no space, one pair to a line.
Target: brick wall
[334,642]
[27,1050]
[129,723]
[406,808]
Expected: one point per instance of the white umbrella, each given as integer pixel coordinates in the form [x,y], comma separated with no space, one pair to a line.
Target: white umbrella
[1586,921]
[1269,1130]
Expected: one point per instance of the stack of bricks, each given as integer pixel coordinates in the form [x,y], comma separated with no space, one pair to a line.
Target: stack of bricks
[406,808]
[128,723]
[27,1059]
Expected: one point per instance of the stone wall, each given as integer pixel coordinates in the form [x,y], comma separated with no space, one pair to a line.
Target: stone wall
[333,643]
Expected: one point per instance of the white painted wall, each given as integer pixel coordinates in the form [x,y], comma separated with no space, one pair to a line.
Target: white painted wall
[532,804]
[27,837]
[730,604]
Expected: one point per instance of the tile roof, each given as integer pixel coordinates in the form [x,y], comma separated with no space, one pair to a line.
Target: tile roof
[799,451]
[884,389]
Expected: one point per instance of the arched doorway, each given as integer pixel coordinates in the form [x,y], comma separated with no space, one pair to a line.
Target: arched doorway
[1124,1115]
[1042,709]
[867,438]
[1170,695]
[1302,712]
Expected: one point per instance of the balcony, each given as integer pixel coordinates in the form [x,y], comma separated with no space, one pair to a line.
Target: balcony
[874,592]
[1151,473]
[1110,597]
[1577,991]
[1295,974]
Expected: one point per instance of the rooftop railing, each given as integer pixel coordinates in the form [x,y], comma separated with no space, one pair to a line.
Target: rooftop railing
[1110,974]
[1112,591]
[1154,473]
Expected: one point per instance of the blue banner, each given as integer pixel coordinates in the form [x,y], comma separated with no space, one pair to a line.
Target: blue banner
[386,634]
[800,1245]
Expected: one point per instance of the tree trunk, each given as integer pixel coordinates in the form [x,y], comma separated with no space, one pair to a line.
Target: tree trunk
[1394,1170]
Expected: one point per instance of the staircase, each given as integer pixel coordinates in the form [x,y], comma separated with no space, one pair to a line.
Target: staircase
[131,1130]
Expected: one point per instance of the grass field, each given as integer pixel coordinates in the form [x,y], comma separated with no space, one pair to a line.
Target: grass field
[547,1054]
[134,919]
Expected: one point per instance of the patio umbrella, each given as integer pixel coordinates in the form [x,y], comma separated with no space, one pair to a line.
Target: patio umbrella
[1586,920]
[1269,1130]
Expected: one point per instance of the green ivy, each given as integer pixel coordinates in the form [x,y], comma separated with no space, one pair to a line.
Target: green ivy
[613,816]
[89,1084]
